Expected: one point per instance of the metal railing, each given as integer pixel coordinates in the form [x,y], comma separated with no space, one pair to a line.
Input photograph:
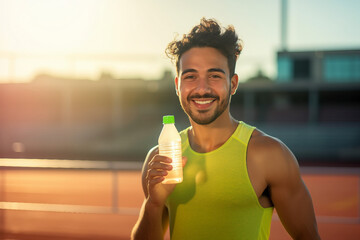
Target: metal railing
[114,167]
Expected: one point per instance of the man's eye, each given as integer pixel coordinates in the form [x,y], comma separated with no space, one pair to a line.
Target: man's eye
[189,77]
[215,76]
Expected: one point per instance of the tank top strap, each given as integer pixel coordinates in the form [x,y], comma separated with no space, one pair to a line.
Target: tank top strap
[243,132]
[184,138]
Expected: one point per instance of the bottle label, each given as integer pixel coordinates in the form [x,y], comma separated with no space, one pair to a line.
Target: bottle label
[173,151]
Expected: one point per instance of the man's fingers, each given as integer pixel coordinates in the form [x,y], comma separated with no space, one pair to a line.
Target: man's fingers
[160,166]
[156,180]
[160,158]
[160,163]
[153,173]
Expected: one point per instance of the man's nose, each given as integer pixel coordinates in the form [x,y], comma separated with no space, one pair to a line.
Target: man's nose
[203,86]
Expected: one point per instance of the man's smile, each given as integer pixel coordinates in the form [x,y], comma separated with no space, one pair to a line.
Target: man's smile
[203,103]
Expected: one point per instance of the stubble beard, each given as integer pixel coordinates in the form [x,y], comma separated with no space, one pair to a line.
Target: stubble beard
[200,116]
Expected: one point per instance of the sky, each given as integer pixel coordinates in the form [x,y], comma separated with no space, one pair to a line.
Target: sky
[127,38]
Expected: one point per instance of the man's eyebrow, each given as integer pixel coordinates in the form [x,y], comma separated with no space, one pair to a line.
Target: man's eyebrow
[216,70]
[188,70]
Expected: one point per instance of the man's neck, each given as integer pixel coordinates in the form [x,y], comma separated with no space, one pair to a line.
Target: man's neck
[206,138]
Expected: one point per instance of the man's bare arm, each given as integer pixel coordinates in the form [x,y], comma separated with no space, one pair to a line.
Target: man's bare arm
[288,192]
[153,218]
[151,223]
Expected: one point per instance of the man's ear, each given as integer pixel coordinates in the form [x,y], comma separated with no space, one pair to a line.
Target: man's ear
[234,83]
[177,85]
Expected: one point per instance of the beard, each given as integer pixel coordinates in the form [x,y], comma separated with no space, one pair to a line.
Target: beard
[204,117]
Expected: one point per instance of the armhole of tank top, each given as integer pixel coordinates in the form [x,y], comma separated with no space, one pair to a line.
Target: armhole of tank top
[246,135]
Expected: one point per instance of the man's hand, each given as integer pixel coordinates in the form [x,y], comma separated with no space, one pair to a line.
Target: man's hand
[153,218]
[158,168]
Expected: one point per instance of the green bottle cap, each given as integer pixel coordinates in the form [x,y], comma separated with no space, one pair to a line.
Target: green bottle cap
[168,119]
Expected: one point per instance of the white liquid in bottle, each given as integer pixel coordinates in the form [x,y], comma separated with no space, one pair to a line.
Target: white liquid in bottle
[170,146]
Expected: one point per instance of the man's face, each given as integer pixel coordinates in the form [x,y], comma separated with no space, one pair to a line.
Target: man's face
[204,85]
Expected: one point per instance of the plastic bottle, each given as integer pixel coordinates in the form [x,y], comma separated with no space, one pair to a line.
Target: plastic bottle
[170,146]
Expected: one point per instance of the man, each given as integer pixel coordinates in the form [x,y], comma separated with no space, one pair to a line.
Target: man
[234,174]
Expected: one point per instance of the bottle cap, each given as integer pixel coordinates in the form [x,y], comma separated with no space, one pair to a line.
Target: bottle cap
[168,119]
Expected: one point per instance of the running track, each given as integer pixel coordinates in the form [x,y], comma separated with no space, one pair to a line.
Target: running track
[37,204]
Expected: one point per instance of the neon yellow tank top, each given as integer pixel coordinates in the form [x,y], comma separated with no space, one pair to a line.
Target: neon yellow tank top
[216,199]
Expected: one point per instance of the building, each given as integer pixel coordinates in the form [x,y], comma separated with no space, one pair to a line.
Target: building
[333,66]
[313,105]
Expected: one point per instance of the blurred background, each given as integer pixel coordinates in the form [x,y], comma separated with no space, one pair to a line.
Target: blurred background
[84,85]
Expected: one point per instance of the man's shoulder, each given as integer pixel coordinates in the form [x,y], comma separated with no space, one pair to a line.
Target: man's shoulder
[264,147]
[262,141]
[270,156]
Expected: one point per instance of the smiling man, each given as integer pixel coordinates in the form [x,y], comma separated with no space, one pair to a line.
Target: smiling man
[234,174]
[204,101]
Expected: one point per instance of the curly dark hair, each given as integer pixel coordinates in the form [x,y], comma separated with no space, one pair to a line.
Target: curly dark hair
[207,34]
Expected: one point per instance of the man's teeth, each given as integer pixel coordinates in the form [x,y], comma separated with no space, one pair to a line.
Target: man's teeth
[203,102]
